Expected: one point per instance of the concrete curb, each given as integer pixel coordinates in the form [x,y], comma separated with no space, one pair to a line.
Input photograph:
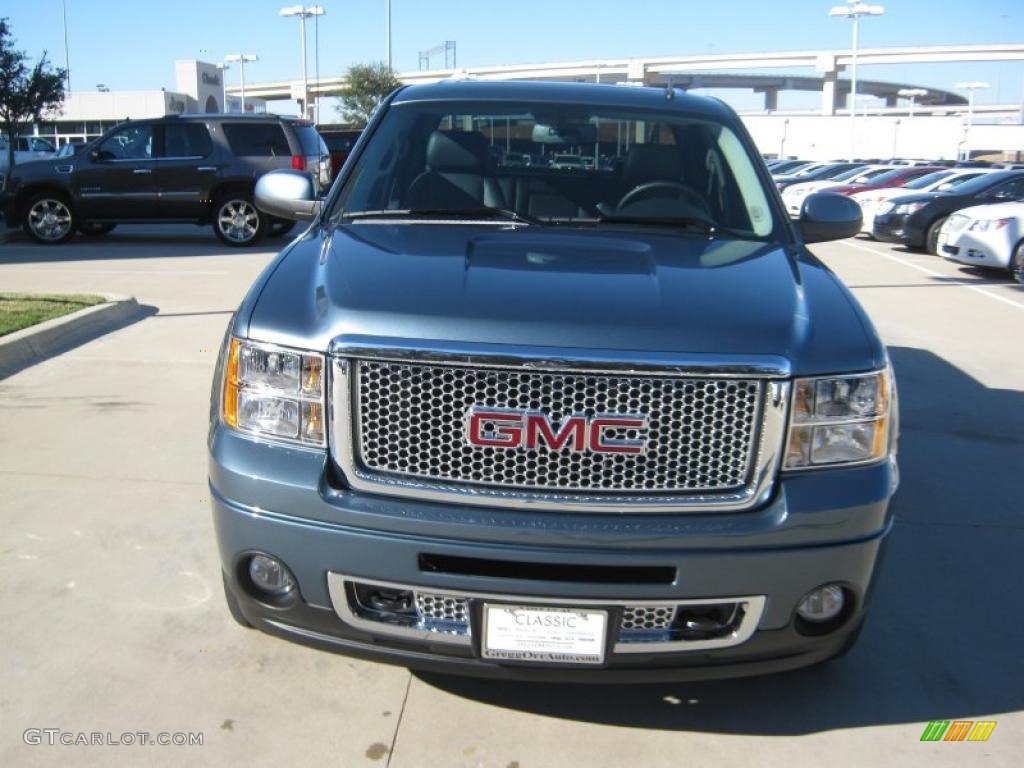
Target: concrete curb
[31,345]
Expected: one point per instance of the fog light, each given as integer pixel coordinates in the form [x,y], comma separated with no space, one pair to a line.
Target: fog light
[821,604]
[270,575]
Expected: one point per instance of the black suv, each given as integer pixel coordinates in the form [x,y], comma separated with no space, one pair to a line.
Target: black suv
[181,168]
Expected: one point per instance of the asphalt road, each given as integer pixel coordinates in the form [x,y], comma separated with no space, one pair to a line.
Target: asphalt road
[114,622]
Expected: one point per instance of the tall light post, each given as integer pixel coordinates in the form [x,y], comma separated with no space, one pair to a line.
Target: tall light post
[303,13]
[853,11]
[912,94]
[387,32]
[241,58]
[970,87]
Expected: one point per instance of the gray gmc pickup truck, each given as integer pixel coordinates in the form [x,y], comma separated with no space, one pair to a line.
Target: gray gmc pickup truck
[606,420]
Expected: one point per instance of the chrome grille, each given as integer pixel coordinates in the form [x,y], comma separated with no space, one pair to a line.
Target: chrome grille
[648,617]
[442,607]
[409,422]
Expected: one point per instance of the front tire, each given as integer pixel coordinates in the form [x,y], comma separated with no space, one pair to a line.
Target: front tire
[48,218]
[1017,263]
[931,240]
[237,221]
[95,228]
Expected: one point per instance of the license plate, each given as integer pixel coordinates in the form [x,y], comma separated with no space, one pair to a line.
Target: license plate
[544,635]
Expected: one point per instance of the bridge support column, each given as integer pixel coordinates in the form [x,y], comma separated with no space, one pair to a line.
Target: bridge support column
[826,64]
[771,99]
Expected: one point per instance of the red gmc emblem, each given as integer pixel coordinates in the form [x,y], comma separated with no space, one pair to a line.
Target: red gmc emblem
[528,430]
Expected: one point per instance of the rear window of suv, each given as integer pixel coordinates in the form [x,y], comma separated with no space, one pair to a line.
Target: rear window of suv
[310,139]
[257,139]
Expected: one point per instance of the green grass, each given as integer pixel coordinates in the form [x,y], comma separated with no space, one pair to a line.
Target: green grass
[20,310]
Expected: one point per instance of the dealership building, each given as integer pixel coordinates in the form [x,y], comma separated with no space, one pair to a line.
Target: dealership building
[199,87]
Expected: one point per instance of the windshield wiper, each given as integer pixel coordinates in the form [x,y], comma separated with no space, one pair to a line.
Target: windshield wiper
[687,222]
[448,213]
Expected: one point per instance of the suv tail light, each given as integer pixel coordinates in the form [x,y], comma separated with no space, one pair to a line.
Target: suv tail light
[299,162]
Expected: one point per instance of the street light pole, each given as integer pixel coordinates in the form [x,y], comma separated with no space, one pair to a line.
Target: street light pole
[303,13]
[853,11]
[970,88]
[387,32]
[912,94]
[241,58]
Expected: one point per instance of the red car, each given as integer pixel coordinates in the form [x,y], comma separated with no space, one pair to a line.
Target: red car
[894,178]
[339,144]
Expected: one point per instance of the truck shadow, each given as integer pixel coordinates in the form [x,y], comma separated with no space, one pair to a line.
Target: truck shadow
[944,633]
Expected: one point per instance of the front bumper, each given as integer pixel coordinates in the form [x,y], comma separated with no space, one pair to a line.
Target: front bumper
[820,527]
[898,228]
[977,249]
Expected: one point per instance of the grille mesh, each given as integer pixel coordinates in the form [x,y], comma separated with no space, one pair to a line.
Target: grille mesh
[411,422]
[648,616]
[442,607]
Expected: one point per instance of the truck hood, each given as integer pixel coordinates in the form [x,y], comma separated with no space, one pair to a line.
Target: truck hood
[623,289]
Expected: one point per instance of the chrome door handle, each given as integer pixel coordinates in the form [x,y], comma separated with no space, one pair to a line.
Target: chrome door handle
[142,170]
[207,168]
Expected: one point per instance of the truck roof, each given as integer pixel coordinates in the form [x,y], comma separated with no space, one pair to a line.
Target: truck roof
[640,97]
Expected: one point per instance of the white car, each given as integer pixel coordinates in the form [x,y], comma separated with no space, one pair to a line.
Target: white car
[793,196]
[870,202]
[986,236]
[27,149]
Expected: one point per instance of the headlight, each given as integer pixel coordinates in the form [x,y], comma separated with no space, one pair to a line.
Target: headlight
[274,392]
[986,225]
[839,420]
[909,207]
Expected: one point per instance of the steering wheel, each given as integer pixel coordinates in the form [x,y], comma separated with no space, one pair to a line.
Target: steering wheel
[683,192]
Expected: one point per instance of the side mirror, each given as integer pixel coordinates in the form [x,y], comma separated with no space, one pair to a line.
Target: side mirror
[828,216]
[288,195]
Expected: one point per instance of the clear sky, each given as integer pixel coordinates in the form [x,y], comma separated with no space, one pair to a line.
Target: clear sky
[132,45]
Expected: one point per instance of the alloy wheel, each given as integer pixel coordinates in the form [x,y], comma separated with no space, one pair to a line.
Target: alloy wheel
[50,219]
[238,220]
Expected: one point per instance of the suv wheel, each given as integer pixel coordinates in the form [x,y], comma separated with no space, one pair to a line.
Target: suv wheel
[95,228]
[237,221]
[1017,263]
[931,240]
[48,218]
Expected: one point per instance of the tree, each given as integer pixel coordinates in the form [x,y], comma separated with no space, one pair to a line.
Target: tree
[365,88]
[26,94]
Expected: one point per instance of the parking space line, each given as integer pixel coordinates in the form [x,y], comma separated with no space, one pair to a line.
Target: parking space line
[919,268]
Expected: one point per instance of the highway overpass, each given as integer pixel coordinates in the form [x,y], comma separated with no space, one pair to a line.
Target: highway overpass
[709,71]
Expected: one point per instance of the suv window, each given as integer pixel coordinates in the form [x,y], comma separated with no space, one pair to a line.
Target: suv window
[257,139]
[186,140]
[133,142]
[310,139]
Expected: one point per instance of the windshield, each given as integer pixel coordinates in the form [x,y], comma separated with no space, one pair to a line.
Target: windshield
[883,176]
[588,165]
[927,180]
[984,181]
[852,173]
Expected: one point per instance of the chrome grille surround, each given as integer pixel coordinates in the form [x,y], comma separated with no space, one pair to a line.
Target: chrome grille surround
[637,639]
[755,387]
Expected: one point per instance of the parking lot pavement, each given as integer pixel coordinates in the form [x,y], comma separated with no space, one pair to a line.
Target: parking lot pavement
[114,620]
